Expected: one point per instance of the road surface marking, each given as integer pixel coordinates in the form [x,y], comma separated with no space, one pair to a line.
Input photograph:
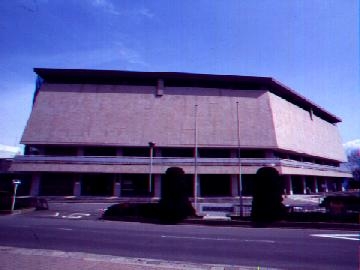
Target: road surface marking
[65,229]
[218,239]
[56,214]
[76,215]
[345,236]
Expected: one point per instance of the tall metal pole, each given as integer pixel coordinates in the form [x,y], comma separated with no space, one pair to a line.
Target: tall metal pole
[151,144]
[195,163]
[239,153]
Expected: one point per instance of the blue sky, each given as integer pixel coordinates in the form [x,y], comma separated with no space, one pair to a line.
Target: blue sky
[312,46]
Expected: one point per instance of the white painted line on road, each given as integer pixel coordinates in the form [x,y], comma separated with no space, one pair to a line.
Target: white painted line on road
[76,215]
[218,239]
[345,236]
[260,241]
[65,229]
[196,238]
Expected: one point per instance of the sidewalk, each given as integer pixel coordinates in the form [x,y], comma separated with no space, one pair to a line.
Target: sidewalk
[278,224]
[12,258]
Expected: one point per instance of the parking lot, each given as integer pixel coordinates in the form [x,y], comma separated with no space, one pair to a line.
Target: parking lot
[61,210]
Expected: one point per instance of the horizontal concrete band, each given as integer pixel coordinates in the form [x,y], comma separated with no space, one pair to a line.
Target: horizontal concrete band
[160,165]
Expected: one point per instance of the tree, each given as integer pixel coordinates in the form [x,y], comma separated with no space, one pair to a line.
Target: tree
[354,162]
[267,197]
[174,204]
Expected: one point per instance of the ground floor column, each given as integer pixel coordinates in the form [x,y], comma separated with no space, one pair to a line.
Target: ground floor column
[35,185]
[303,182]
[326,183]
[315,184]
[80,151]
[336,184]
[197,186]
[77,186]
[117,186]
[343,185]
[157,186]
[197,192]
[288,183]
[235,185]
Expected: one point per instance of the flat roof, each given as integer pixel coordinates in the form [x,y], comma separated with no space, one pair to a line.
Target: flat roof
[91,76]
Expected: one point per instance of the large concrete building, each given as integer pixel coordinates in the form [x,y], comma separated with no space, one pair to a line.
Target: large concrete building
[115,133]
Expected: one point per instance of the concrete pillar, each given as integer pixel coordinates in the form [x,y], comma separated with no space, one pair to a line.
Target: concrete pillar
[80,151]
[234,153]
[157,186]
[343,186]
[157,152]
[335,184]
[339,184]
[326,188]
[269,154]
[316,186]
[117,189]
[77,188]
[330,185]
[117,186]
[119,151]
[303,182]
[41,150]
[35,185]
[198,187]
[289,188]
[234,185]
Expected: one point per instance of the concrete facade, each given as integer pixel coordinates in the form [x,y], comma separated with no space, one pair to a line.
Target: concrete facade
[94,128]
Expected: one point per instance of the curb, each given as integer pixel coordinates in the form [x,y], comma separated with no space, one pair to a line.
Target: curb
[281,224]
[92,261]
[18,211]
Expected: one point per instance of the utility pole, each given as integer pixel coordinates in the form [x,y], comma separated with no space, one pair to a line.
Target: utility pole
[239,153]
[195,163]
[151,145]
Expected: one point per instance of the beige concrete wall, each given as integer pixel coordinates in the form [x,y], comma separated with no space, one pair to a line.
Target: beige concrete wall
[313,172]
[297,131]
[161,169]
[143,169]
[133,115]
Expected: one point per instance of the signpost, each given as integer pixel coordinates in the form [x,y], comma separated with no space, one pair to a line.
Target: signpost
[16,182]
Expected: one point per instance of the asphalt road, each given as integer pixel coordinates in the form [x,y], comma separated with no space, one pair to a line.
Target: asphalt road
[269,247]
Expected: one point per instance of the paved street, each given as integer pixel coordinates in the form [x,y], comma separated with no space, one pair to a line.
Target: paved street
[269,247]
[83,211]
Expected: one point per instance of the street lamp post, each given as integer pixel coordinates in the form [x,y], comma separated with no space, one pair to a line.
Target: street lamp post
[239,153]
[151,145]
[16,183]
[195,162]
